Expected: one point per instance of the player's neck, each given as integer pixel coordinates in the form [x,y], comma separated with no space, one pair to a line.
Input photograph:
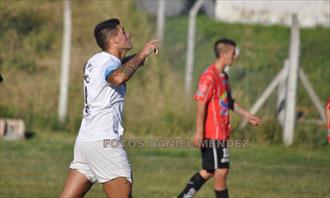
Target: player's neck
[117,53]
[220,65]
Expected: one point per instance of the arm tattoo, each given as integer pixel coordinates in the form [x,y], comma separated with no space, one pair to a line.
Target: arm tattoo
[125,71]
[127,58]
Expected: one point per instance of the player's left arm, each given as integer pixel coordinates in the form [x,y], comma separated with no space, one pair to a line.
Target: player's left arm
[234,106]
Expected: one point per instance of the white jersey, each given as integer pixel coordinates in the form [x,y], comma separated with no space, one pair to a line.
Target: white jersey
[103,102]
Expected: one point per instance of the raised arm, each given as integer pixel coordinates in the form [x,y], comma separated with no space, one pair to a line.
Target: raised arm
[131,64]
[127,58]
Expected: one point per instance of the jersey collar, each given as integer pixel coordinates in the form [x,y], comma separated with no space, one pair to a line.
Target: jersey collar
[112,56]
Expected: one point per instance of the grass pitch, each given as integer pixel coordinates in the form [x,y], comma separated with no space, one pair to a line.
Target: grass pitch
[38,168]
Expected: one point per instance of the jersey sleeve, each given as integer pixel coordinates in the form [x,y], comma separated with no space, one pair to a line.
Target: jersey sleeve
[205,89]
[108,67]
[328,103]
[231,100]
[108,70]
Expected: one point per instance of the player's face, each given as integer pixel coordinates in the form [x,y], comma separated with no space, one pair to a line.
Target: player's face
[123,39]
[230,55]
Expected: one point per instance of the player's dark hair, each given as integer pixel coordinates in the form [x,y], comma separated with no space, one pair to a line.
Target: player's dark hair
[104,30]
[225,41]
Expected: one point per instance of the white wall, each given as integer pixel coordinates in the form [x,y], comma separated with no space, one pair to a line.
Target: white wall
[310,13]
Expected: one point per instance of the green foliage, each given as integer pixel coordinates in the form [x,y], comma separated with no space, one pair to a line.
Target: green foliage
[24,22]
[23,36]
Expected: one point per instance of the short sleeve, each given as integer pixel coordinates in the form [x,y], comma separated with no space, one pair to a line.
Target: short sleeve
[205,87]
[231,100]
[109,69]
[328,103]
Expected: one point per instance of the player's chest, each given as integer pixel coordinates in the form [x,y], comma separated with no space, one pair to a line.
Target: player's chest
[221,88]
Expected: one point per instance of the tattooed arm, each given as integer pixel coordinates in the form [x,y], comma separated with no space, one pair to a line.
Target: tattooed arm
[127,58]
[125,71]
[128,68]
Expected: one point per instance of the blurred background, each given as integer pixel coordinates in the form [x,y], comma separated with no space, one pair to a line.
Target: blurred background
[156,104]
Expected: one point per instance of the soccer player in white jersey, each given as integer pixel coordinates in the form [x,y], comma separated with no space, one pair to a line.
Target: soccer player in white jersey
[105,76]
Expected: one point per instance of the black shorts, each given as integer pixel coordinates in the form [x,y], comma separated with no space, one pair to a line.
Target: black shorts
[215,154]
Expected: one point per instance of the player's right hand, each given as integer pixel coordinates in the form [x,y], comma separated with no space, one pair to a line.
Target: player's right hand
[198,138]
[151,46]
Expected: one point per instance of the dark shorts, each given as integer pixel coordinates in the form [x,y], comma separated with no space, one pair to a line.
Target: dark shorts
[215,154]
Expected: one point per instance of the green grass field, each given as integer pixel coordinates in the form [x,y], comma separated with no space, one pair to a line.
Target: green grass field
[37,168]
